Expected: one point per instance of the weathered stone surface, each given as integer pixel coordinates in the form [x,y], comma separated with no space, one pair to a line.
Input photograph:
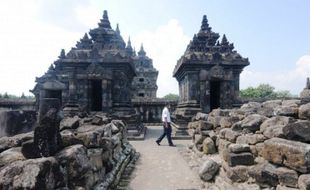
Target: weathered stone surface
[293,102]
[69,123]
[226,122]
[95,156]
[199,139]
[237,148]
[281,187]
[287,177]
[201,116]
[275,121]
[229,134]
[256,173]
[250,139]
[251,122]
[208,170]
[290,111]
[97,120]
[244,158]
[292,154]
[299,131]
[41,173]
[304,111]
[223,148]
[14,141]
[237,173]
[269,174]
[11,155]
[208,146]
[251,107]
[76,164]
[272,103]
[47,140]
[200,125]
[15,122]
[304,182]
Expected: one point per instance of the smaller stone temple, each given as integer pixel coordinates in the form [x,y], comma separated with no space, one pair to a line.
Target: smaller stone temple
[208,74]
[305,93]
[144,84]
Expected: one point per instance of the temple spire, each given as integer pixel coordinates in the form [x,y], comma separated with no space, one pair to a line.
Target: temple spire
[104,22]
[62,54]
[141,52]
[224,41]
[85,37]
[205,24]
[117,30]
[129,48]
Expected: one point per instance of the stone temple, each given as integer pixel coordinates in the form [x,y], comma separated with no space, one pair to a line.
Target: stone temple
[144,84]
[97,75]
[208,74]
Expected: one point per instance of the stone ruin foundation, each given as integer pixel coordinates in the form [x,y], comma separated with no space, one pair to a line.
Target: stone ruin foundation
[258,146]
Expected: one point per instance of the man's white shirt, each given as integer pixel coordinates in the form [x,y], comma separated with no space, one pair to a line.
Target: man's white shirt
[166,114]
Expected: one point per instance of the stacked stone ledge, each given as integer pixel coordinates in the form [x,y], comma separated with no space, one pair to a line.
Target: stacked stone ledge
[93,155]
[262,144]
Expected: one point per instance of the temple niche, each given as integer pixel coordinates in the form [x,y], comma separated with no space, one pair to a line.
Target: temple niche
[144,84]
[208,74]
[95,75]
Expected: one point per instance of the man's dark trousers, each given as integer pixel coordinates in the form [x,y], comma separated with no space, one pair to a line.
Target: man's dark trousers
[167,131]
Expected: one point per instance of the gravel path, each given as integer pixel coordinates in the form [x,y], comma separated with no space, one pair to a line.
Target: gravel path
[162,167]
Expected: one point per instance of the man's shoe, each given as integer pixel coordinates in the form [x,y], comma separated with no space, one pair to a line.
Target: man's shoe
[157,142]
[172,145]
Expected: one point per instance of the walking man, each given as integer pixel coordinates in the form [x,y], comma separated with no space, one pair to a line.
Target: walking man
[166,124]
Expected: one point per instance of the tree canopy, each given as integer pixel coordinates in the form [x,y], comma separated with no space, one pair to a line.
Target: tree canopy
[170,96]
[264,91]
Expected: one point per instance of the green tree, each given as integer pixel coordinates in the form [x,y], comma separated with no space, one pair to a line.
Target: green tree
[171,96]
[5,95]
[264,91]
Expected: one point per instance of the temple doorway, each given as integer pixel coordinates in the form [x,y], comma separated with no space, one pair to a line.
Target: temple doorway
[54,94]
[96,95]
[215,89]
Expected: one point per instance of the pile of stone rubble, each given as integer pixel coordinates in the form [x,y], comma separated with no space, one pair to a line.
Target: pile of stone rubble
[75,153]
[260,145]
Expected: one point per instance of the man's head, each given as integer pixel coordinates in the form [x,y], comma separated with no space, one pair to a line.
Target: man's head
[167,104]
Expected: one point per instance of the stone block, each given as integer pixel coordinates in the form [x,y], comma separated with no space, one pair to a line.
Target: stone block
[252,122]
[40,173]
[229,134]
[69,123]
[11,155]
[299,131]
[208,170]
[238,148]
[244,158]
[304,182]
[208,146]
[304,111]
[75,161]
[276,121]
[292,154]
[290,111]
[287,177]
[281,187]
[223,148]
[200,125]
[237,173]
[250,139]
[201,116]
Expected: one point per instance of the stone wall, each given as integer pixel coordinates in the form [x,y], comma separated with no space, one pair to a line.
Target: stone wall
[13,122]
[260,145]
[150,110]
[93,155]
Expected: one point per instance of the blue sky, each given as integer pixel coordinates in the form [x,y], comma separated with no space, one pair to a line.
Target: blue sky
[274,35]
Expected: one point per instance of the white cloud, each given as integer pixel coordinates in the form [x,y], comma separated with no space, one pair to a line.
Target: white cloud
[165,46]
[27,46]
[292,80]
